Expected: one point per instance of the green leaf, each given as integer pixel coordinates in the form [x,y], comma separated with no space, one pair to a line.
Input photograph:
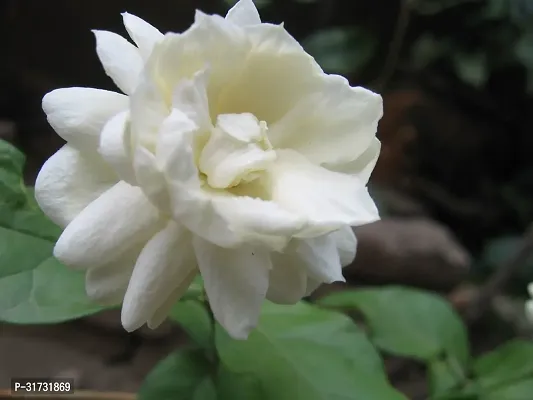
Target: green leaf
[50,293]
[431,7]
[522,390]
[444,375]
[185,374]
[498,251]
[302,352]
[194,318]
[34,286]
[341,50]
[471,68]
[233,386]
[509,363]
[408,322]
[427,49]
[524,53]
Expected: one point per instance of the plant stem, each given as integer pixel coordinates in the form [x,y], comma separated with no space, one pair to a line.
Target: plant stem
[500,278]
[393,55]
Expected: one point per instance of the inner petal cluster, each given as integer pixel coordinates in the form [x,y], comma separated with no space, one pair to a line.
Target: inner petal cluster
[237,151]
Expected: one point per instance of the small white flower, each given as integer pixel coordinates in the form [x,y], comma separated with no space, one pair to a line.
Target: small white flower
[234,155]
[529,303]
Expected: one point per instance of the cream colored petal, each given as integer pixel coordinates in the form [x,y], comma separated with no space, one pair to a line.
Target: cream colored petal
[276,74]
[190,97]
[121,60]
[107,284]
[362,166]
[211,42]
[150,178]
[234,151]
[236,282]
[143,34]
[114,223]
[69,181]
[321,258]
[147,113]
[116,146]
[327,200]
[244,13]
[217,216]
[288,279]
[346,243]
[161,314]
[166,263]
[333,126]
[312,285]
[78,115]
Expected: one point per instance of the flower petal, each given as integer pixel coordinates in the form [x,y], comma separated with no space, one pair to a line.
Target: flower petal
[234,151]
[253,216]
[165,264]
[107,284]
[147,112]
[346,243]
[142,33]
[114,223]
[219,217]
[361,166]
[244,13]
[69,181]
[161,314]
[236,282]
[288,279]
[340,128]
[328,200]
[211,42]
[115,146]
[190,97]
[312,285]
[79,114]
[121,60]
[277,72]
[321,258]
[150,178]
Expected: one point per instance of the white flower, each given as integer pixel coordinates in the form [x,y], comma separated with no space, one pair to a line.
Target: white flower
[529,303]
[234,156]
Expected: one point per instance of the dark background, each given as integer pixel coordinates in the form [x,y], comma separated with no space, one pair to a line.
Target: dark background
[454,181]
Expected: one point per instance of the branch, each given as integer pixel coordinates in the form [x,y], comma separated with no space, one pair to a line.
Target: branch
[396,45]
[494,285]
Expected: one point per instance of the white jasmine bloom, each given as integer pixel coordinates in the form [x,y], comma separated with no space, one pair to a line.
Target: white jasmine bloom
[529,303]
[234,156]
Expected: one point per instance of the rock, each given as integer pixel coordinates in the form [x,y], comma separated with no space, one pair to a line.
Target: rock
[418,252]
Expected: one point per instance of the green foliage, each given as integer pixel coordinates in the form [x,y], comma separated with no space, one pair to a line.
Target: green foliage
[510,363]
[498,251]
[304,352]
[341,50]
[34,286]
[408,322]
[185,374]
[195,319]
[296,352]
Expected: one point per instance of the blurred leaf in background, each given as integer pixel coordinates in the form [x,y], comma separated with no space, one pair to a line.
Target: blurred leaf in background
[341,50]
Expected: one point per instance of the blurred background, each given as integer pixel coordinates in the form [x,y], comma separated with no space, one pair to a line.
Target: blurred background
[454,181]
